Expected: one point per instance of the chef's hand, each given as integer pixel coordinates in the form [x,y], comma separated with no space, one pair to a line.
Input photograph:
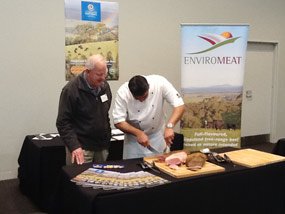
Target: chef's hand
[142,139]
[77,156]
[168,136]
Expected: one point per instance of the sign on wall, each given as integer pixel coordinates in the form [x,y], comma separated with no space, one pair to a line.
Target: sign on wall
[91,27]
[212,71]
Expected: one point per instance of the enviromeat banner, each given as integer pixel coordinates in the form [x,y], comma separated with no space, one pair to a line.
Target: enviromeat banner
[212,71]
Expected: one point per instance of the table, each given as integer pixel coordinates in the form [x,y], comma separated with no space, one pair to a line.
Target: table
[40,162]
[237,190]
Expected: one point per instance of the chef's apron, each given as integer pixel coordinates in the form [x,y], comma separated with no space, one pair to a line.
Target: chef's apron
[132,149]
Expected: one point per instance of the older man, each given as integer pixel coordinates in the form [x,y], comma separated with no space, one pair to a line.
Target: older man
[83,115]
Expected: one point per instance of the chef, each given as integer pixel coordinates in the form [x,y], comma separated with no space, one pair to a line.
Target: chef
[138,112]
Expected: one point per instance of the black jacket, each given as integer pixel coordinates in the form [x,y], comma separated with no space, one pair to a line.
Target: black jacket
[83,119]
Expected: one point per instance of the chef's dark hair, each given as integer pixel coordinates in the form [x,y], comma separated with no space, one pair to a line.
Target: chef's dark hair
[138,85]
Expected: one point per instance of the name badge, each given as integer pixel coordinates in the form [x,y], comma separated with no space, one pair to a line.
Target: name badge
[104,98]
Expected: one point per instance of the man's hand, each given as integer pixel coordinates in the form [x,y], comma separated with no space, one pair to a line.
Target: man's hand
[77,156]
[168,136]
[143,139]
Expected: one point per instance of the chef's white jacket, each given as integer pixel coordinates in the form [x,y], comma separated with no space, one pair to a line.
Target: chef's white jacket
[147,115]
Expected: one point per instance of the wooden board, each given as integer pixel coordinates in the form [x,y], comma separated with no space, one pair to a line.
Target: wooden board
[253,158]
[183,172]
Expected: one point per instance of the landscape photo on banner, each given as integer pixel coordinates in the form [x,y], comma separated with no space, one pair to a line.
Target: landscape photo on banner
[212,72]
[91,27]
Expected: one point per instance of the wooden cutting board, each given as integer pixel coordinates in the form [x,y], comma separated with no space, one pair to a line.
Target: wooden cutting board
[253,158]
[183,172]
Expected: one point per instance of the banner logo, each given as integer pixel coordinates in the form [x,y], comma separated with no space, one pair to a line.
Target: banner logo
[216,41]
[91,11]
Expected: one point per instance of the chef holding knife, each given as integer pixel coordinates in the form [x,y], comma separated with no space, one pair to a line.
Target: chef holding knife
[138,112]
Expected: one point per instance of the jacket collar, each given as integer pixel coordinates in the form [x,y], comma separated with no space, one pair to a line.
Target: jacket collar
[83,84]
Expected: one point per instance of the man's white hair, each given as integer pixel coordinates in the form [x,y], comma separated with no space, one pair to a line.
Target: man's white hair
[93,60]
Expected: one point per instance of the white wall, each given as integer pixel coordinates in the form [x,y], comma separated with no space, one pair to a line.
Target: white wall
[32,55]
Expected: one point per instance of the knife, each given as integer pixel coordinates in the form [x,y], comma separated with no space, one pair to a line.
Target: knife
[227,158]
[151,166]
[150,148]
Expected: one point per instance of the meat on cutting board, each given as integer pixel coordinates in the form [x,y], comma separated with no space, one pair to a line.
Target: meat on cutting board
[195,161]
[176,159]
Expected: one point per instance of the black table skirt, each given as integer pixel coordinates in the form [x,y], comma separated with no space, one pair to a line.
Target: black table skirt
[40,163]
[237,190]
